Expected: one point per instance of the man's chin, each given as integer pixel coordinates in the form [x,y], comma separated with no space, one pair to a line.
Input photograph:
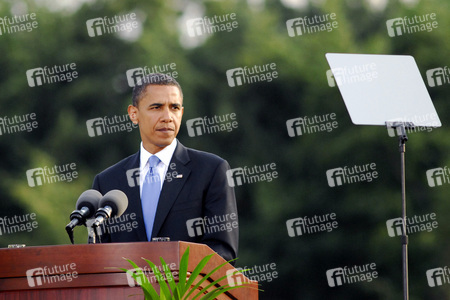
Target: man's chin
[163,143]
[158,143]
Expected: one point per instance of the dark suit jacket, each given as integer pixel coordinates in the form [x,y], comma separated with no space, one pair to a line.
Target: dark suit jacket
[201,191]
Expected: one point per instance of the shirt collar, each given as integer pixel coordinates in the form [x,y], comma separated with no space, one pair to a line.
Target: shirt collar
[165,155]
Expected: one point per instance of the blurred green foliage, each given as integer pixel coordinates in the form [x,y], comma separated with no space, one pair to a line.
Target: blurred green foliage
[262,110]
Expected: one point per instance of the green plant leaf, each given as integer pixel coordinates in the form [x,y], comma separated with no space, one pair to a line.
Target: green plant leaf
[164,289]
[147,287]
[196,272]
[207,276]
[181,287]
[178,291]
[170,279]
[162,295]
[219,288]
[247,284]
[213,294]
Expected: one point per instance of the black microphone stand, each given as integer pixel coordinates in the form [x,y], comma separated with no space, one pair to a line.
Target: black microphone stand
[78,216]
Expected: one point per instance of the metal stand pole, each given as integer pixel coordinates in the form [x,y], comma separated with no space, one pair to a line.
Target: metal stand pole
[402,138]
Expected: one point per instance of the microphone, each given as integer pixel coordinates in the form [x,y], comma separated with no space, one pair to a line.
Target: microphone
[113,204]
[86,206]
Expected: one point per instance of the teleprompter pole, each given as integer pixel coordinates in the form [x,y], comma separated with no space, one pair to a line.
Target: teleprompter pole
[402,138]
[402,141]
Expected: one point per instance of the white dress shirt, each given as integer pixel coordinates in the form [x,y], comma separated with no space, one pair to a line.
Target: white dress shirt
[165,156]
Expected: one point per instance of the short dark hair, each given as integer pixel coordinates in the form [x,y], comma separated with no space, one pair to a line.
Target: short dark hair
[152,79]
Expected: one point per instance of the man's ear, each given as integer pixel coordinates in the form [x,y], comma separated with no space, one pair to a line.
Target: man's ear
[132,113]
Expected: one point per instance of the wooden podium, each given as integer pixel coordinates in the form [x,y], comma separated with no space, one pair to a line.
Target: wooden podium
[42,272]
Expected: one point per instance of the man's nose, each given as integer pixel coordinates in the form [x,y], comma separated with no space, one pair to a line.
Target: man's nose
[166,115]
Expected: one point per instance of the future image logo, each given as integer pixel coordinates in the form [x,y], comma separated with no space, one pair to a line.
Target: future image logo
[108,25]
[18,23]
[261,273]
[356,173]
[208,125]
[414,224]
[211,25]
[57,173]
[309,25]
[141,75]
[347,275]
[18,223]
[208,225]
[307,125]
[438,76]
[438,276]
[309,225]
[248,75]
[438,176]
[409,25]
[53,74]
[50,275]
[353,74]
[236,278]
[109,125]
[10,125]
[257,173]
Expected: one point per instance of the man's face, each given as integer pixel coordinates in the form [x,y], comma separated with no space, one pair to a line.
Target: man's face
[158,114]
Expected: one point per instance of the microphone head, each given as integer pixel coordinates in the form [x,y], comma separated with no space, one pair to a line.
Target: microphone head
[117,200]
[89,199]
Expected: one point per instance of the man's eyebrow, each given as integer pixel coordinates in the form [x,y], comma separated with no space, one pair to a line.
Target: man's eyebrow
[156,104]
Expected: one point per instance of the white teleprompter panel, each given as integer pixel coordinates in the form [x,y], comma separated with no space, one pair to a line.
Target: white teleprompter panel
[383,88]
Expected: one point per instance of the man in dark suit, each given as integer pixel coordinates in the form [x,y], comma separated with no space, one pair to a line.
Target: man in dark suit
[195,203]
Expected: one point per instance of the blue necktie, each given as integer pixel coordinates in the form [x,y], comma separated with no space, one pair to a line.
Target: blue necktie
[151,188]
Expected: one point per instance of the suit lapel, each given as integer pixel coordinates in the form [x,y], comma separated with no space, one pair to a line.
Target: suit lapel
[171,189]
[134,198]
